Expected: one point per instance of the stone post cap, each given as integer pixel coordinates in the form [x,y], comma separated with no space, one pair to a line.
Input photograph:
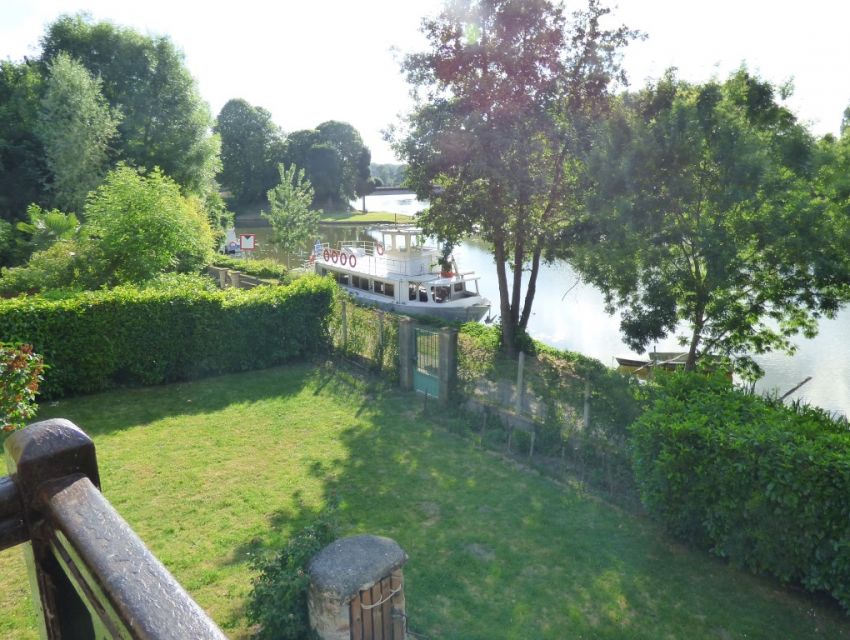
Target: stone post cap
[348,565]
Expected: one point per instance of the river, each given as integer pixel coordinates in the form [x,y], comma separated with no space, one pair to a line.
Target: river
[569,314]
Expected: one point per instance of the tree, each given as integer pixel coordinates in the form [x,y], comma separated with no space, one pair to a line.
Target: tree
[75,125]
[507,95]
[165,122]
[334,160]
[367,187]
[22,160]
[251,147]
[142,226]
[293,220]
[710,209]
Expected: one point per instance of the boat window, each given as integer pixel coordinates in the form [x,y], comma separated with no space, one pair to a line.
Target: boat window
[441,294]
[389,289]
[342,278]
[412,290]
[360,282]
[458,287]
[324,271]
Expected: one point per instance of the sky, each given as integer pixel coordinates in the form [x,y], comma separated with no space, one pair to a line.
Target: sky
[317,60]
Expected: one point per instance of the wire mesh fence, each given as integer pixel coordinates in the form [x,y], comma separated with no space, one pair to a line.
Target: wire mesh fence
[560,408]
[366,337]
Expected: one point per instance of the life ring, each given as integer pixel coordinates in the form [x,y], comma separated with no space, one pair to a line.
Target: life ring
[352,261]
[334,256]
[379,248]
[326,255]
[343,258]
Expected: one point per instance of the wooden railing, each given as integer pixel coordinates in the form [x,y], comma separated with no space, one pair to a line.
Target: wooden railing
[90,574]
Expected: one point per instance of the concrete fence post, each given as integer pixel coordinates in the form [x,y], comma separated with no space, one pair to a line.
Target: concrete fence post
[357,590]
[447,364]
[520,387]
[234,279]
[406,353]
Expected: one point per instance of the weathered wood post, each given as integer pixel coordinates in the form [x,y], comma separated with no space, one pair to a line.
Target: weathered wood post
[90,575]
[447,364]
[357,590]
[47,451]
[406,353]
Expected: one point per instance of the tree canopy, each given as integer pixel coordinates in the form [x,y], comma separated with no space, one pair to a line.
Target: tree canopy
[291,215]
[507,93]
[251,148]
[165,122]
[75,125]
[334,159]
[714,208]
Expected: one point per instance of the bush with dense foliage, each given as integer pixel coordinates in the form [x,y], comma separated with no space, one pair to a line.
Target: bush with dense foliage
[141,336]
[764,485]
[20,374]
[278,601]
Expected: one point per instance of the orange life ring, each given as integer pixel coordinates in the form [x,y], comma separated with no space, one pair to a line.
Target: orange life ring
[326,255]
[334,256]
[379,248]
[343,258]
[352,261]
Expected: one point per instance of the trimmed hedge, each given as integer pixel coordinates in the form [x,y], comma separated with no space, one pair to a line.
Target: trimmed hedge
[260,268]
[764,485]
[129,336]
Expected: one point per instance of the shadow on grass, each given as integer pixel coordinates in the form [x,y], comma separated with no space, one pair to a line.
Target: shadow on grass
[498,551]
[127,408]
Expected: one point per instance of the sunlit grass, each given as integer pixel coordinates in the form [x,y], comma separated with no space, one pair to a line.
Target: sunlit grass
[212,472]
[369,217]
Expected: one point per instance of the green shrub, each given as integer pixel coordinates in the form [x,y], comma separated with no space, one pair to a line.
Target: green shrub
[141,336]
[278,600]
[262,268]
[764,485]
[20,374]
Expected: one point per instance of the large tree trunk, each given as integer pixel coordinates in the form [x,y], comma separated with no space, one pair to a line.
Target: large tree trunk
[508,323]
[531,290]
[696,336]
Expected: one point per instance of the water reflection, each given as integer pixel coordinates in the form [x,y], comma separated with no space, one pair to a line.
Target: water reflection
[571,315]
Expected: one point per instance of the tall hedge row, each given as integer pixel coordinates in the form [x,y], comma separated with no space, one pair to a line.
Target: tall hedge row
[129,336]
[764,485]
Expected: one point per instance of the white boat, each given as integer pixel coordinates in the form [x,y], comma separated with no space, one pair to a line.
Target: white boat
[400,274]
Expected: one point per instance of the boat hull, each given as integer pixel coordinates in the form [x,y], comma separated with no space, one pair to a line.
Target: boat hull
[467,313]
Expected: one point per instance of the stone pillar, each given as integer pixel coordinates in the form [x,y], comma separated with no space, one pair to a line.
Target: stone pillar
[234,279]
[357,589]
[406,353]
[448,364]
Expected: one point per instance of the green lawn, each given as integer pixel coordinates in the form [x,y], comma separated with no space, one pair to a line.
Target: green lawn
[211,472]
[355,217]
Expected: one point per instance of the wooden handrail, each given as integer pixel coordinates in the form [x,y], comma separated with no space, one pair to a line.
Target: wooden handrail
[91,575]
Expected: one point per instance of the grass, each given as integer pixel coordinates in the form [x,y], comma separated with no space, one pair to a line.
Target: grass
[213,472]
[356,217]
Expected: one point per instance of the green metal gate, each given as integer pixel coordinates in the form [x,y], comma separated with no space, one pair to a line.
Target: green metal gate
[427,355]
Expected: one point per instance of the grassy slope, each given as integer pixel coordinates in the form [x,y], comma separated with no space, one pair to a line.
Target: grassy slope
[212,472]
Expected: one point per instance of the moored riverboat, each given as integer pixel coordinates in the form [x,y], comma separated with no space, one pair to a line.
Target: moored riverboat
[401,273]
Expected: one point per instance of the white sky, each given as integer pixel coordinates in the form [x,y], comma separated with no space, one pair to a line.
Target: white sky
[316,60]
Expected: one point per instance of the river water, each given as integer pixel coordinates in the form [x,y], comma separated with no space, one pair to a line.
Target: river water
[569,314]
